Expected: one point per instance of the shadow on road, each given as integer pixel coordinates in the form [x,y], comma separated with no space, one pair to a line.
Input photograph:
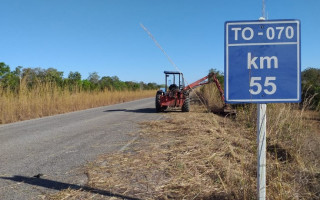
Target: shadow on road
[145,110]
[61,186]
[142,110]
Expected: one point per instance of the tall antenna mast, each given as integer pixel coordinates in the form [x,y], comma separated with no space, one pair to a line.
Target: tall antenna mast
[263,9]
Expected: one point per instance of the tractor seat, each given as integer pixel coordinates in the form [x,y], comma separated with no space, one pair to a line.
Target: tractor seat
[173,87]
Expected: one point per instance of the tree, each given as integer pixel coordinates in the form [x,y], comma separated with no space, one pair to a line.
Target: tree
[29,75]
[132,85]
[10,79]
[310,78]
[86,85]
[117,84]
[94,77]
[152,86]
[74,76]
[106,82]
[4,69]
[219,76]
[38,75]
[53,76]
[73,81]
[94,80]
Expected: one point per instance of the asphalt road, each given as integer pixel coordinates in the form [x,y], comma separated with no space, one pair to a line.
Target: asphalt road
[56,148]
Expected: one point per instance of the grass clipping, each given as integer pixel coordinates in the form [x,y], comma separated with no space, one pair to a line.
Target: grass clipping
[199,155]
[177,159]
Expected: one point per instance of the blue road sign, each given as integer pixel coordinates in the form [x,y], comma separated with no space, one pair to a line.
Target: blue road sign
[262,61]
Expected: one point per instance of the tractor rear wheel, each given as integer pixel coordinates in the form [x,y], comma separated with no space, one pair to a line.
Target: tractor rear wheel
[158,104]
[186,105]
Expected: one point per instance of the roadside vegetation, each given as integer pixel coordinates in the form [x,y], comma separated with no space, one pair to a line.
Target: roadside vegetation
[311,87]
[27,93]
[201,155]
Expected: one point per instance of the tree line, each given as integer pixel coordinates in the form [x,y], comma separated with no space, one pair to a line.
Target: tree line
[33,77]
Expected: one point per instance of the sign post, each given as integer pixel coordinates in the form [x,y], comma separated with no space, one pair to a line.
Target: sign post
[262,147]
[262,65]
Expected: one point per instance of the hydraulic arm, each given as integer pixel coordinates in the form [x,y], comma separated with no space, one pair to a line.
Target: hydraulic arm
[206,80]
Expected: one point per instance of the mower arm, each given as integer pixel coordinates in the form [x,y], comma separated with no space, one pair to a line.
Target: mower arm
[201,82]
[197,83]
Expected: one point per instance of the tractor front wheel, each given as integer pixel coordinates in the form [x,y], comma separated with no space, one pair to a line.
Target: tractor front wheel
[186,105]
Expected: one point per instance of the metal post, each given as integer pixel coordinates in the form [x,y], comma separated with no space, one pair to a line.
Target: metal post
[166,82]
[261,140]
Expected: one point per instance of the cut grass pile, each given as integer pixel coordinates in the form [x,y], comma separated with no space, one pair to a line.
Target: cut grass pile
[199,155]
[46,99]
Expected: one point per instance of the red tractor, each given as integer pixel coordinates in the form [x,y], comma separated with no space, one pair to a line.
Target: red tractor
[177,94]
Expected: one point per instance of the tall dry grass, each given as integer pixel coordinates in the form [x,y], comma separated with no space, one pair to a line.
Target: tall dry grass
[47,99]
[293,146]
[209,96]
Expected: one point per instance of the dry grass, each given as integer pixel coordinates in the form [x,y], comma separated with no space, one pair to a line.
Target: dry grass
[209,96]
[293,141]
[46,99]
[199,155]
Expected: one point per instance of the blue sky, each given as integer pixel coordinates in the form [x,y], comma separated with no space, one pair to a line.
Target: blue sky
[105,36]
